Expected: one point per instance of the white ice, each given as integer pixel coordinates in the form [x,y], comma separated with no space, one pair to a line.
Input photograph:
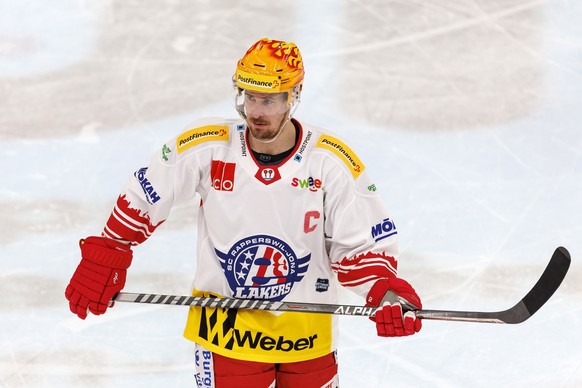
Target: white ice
[466,112]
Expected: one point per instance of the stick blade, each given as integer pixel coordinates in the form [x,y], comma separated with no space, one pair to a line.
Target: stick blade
[545,287]
[541,292]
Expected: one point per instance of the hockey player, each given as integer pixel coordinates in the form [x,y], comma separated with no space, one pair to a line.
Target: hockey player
[287,212]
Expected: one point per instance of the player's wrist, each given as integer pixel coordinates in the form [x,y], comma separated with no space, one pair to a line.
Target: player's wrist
[106,252]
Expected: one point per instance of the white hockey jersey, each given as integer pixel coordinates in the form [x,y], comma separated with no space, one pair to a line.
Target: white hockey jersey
[292,231]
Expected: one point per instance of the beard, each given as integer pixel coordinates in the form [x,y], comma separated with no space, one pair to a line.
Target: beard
[264,129]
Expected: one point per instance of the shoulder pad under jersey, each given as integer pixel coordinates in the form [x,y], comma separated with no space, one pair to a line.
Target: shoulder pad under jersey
[201,132]
[343,152]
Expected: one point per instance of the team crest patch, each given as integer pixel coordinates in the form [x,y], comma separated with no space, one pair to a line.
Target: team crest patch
[262,267]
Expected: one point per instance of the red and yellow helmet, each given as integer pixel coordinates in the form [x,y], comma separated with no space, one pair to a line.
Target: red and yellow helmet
[270,66]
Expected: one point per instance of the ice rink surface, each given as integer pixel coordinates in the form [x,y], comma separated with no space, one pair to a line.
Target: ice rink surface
[467,114]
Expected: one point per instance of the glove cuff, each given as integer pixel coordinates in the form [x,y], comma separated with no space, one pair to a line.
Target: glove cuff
[377,292]
[398,286]
[106,252]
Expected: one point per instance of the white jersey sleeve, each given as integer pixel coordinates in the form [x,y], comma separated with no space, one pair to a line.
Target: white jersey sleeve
[172,177]
[360,235]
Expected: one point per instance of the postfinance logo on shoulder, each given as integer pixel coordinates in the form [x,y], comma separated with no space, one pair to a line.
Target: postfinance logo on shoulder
[345,153]
[200,135]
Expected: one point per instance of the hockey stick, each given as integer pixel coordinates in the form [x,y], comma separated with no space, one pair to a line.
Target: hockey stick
[545,287]
[541,292]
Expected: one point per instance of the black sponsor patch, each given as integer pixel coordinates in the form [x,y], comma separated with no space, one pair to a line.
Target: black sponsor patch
[321,285]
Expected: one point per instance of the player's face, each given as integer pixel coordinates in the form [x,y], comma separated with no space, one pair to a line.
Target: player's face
[266,113]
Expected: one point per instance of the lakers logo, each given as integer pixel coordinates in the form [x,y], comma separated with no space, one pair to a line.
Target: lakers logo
[262,267]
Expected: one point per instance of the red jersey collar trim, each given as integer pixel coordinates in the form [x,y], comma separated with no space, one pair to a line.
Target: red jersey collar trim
[270,174]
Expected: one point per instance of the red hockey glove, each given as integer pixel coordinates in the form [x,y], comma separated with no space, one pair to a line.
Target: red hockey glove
[99,276]
[389,318]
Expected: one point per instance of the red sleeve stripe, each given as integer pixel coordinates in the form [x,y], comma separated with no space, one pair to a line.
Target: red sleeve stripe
[137,225]
[364,268]
[365,263]
[119,231]
[363,273]
[127,223]
[109,233]
[360,281]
